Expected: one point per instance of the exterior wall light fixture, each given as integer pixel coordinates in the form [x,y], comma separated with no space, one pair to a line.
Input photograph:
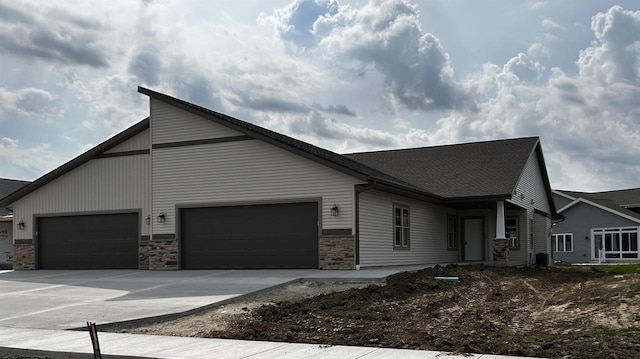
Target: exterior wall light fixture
[21,225]
[162,217]
[335,210]
[148,220]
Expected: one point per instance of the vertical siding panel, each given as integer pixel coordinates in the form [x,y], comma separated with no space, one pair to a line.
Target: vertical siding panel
[428,226]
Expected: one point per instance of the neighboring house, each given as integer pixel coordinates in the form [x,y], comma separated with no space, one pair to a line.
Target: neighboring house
[598,227]
[190,188]
[7,186]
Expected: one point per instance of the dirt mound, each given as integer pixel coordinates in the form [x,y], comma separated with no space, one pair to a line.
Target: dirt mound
[564,312]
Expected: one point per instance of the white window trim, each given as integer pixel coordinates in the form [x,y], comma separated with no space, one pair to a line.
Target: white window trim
[455,233]
[517,238]
[556,236]
[408,227]
[619,230]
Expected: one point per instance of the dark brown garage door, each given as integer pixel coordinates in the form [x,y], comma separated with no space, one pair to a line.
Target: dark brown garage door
[106,241]
[260,236]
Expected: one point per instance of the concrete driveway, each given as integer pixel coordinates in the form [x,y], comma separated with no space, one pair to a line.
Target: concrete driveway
[56,299]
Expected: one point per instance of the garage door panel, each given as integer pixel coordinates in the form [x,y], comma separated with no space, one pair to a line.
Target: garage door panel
[261,236]
[107,241]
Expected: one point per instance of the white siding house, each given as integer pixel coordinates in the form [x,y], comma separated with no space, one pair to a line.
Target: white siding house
[191,188]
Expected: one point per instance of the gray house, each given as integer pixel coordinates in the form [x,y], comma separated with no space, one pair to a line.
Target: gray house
[191,188]
[7,186]
[598,227]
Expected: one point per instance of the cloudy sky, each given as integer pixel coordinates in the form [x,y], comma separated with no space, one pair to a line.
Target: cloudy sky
[347,76]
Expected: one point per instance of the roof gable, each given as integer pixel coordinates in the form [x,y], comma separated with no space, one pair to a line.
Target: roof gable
[625,197]
[76,162]
[605,205]
[307,150]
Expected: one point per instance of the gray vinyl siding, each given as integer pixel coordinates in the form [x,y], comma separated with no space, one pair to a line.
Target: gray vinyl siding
[561,201]
[244,172]
[428,231]
[135,143]
[531,187]
[531,195]
[542,237]
[580,219]
[105,184]
[171,124]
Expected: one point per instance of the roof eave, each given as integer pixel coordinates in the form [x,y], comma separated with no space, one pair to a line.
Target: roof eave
[76,162]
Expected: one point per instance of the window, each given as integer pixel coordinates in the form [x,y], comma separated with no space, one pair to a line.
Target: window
[616,243]
[452,232]
[400,227]
[511,232]
[562,242]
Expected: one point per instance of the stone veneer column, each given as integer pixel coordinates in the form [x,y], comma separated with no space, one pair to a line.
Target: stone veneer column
[163,254]
[24,255]
[143,253]
[338,252]
[500,243]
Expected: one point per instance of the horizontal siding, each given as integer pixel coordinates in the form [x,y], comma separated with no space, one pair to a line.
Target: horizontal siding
[171,124]
[580,219]
[243,172]
[531,187]
[135,143]
[542,235]
[428,226]
[104,184]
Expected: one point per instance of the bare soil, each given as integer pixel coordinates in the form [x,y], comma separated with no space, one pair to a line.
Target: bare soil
[562,312]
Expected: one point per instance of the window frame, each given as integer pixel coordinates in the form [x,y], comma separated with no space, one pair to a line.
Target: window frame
[616,234]
[452,232]
[507,233]
[404,227]
[564,236]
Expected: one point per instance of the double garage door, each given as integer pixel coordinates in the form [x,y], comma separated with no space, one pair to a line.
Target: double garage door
[105,241]
[259,236]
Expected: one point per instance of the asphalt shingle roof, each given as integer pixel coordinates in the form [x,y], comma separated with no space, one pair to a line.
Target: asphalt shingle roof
[8,186]
[620,197]
[480,169]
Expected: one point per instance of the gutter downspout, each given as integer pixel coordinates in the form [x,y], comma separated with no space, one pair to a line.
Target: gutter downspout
[553,224]
[357,190]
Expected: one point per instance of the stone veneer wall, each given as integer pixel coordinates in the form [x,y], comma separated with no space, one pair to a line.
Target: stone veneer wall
[24,256]
[501,251]
[338,252]
[163,254]
[143,254]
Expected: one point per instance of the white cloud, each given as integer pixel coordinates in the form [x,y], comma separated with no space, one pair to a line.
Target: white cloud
[29,102]
[384,35]
[552,25]
[538,50]
[37,160]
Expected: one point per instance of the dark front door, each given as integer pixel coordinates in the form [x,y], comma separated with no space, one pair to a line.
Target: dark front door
[105,241]
[257,236]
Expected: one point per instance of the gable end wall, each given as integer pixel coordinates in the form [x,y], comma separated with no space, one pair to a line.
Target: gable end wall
[242,172]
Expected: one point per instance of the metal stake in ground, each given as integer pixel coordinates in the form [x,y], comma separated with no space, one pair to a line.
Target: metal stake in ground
[93,332]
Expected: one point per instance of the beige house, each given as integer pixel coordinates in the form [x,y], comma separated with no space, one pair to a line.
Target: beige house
[191,188]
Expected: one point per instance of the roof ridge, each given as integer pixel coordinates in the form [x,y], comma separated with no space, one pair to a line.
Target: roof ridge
[447,145]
